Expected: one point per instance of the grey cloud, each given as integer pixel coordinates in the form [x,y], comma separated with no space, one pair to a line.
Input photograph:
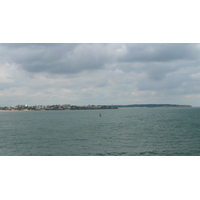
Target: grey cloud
[75,58]
[160,52]
[179,82]
[35,57]
[158,60]
[56,58]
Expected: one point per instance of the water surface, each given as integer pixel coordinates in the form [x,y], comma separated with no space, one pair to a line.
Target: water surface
[130,132]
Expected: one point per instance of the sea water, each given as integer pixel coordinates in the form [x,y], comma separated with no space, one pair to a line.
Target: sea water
[117,132]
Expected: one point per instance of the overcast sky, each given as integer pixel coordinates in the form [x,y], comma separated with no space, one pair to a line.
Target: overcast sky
[116,73]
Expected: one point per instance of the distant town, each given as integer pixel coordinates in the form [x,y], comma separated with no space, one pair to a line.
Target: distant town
[55,107]
[88,107]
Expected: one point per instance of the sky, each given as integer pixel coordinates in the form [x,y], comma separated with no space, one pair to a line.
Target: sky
[99,73]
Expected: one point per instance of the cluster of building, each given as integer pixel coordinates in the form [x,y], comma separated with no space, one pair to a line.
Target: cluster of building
[56,107]
[37,107]
[90,107]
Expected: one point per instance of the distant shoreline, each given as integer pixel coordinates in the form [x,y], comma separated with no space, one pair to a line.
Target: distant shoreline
[146,106]
[89,107]
[26,110]
[14,110]
[153,106]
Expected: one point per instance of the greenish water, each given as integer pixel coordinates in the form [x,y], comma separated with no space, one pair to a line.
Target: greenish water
[132,132]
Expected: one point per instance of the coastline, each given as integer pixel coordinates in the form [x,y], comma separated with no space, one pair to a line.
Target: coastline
[14,110]
[26,110]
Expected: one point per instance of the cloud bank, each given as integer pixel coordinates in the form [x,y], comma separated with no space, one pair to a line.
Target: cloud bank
[99,73]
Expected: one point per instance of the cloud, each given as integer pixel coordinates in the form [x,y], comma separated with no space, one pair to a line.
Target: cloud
[99,73]
[75,58]
[58,58]
[160,52]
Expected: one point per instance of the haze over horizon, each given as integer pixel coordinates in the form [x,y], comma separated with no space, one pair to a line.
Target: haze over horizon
[111,73]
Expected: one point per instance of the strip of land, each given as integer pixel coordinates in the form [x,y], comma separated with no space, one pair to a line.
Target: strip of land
[151,105]
[55,107]
[89,107]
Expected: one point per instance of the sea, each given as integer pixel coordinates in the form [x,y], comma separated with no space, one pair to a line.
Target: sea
[109,132]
